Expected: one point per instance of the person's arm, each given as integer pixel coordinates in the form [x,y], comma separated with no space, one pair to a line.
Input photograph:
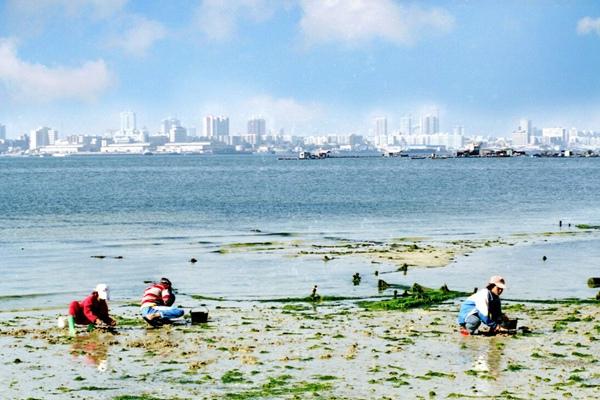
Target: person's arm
[168,297]
[103,314]
[88,310]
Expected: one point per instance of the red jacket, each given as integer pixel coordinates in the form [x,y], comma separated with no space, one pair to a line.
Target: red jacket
[89,310]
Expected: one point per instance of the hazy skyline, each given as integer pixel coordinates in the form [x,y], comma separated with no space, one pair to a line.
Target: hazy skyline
[307,66]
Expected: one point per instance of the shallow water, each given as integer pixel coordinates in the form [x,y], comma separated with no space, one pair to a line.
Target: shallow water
[158,212]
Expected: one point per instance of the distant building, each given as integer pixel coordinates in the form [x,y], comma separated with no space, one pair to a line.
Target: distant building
[520,138]
[177,134]
[458,130]
[430,124]
[381,126]
[167,124]
[215,126]
[525,125]
[554,136]
[257,126]
[39,138]
[52,136]
[406,127]
[128,123]
[2,132]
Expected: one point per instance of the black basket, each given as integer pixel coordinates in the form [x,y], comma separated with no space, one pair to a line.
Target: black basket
[510,324]
[199,316]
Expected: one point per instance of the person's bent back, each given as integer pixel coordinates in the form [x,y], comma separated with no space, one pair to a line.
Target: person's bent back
[156,304]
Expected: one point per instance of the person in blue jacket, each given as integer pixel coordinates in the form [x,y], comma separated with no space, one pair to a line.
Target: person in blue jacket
[484,307]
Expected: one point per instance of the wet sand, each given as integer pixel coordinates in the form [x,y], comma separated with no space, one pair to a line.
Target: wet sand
[297,350]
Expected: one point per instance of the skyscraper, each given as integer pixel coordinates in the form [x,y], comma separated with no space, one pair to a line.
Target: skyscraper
[177,134]
[38,138]
[216,126]
[2,132]
[430,124]
[526,126]
[257,126]
[406,125]
[380,126]
[128,123]
[167,124]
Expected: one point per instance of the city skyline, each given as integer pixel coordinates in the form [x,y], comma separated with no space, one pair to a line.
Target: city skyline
[308,67]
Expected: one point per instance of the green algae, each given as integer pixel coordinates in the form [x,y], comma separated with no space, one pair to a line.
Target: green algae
[276,387]
[586,226]
[233,376]
[139,397]
[417,297]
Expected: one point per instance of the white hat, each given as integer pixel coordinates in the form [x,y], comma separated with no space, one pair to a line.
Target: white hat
[102,291]
[498,281]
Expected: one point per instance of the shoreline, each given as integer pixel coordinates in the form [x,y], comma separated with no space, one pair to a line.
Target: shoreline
[332,349]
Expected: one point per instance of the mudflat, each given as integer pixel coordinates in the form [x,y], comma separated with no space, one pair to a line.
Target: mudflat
[331,350]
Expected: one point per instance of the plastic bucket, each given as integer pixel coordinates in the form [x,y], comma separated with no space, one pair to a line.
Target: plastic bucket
[199,316]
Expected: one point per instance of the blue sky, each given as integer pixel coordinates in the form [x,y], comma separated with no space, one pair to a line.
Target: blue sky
[307,66]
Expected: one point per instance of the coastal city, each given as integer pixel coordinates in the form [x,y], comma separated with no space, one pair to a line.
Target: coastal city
[417,136]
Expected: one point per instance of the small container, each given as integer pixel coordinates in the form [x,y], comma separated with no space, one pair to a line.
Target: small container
[199,315]
[510,324]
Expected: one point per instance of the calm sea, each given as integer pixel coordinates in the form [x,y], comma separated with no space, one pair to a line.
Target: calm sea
[157,212]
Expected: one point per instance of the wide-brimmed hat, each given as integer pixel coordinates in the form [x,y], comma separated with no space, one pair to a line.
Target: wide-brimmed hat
[498,281]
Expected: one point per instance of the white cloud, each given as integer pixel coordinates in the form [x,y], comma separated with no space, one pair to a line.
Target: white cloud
[358,21]
[40,83]
[587,25]
[294,116]
[140,36]
[218,20]
[283,111]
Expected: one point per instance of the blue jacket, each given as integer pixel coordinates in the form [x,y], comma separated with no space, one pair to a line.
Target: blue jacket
[485,304]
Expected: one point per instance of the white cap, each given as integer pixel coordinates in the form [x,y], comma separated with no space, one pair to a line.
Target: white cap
[498,281]
[102,290]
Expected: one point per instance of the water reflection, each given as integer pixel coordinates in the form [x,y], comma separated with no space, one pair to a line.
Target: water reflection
[92,350]
[483,358]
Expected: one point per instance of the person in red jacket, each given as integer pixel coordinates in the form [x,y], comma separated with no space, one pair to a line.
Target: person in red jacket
[93,310]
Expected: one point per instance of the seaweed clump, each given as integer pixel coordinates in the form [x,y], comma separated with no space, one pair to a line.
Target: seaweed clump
[417,296]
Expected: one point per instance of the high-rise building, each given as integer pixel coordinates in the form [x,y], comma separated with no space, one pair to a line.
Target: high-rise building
[526,126]
[406,125]
[2,132]
[257,126]
[556,136]
[177,134]
[52,136]
[216,126]
[167,124]
[128,123]
[459,130]
[430,124]
[38,138]
[380,126]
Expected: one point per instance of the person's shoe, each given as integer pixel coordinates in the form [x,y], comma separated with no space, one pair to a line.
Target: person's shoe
[153,320]
[464,331]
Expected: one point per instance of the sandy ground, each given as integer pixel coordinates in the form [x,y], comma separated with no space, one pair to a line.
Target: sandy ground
[297,350]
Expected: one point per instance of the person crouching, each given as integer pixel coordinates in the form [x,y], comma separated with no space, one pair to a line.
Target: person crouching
[484,307]
[91,311]
[157,303]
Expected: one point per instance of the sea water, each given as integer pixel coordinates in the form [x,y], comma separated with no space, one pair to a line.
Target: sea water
[149,215]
